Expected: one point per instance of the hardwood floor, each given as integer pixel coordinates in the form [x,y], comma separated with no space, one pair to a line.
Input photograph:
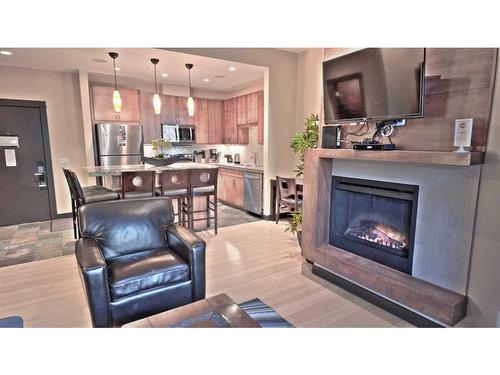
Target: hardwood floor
[245,261]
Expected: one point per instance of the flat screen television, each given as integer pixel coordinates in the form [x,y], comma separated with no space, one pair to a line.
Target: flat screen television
[374,84]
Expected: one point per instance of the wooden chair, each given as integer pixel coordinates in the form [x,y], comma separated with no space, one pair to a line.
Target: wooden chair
[204,184]
[287,196]
[140,184]
[175,184]
[74,199]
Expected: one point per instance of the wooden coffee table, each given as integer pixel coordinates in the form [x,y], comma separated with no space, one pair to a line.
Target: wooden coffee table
[215,312]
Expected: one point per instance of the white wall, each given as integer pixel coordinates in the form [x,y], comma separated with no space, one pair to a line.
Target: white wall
[280,98]
[61,93]
[484,277]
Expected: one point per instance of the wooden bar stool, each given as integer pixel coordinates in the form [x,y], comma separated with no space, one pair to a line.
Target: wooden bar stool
[175,184]
[203,184]
[139,184]
[286,196]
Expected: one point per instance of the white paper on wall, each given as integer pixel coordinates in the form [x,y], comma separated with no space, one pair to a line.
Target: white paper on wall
[10,158]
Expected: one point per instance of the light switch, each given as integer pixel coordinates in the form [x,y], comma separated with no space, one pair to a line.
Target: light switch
[63,161]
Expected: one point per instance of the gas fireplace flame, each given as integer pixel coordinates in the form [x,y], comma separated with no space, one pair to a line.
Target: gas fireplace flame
[380,234]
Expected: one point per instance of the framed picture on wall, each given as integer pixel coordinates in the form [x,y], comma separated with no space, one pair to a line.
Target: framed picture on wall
[347,96]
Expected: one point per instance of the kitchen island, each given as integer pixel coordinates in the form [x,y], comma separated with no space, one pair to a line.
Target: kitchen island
[111,177]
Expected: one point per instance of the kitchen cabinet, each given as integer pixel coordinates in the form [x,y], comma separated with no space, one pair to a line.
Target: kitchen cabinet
[247,108]
[201,120]
[215,125]
[168,109]
[208,120]
[230,134]
[104,111]
[182,112]
[151,122]
[174,110]
[230,187]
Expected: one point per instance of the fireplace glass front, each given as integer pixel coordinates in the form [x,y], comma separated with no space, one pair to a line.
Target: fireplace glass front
[374,219]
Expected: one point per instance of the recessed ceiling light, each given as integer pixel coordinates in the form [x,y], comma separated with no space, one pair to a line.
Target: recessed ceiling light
[164,75]
[117,68]
[5,53]
[232,68]
[206,80]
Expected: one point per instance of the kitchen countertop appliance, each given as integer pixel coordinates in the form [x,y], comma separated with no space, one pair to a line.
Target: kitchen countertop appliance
[118,144]
[179,134]
[252,189]
[237,158]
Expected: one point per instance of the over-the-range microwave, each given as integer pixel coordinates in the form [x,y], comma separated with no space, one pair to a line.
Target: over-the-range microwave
[178,134]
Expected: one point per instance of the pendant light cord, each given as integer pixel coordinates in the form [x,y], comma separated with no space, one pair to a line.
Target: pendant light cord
[189,71]
[114,73]
[156,86]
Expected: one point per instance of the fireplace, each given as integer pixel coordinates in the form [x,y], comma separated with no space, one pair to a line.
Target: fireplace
[374,219]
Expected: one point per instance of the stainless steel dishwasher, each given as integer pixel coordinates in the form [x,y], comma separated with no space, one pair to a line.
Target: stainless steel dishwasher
[253,192]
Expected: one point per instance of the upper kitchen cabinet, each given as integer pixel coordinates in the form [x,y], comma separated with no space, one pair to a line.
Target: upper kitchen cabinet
[104,111]
[182,112]
[230,133]
[208,120]
[215,123]
[168,109]
[151,122]
[201,120]
[247,109]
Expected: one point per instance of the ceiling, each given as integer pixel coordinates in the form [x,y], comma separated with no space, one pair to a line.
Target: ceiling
[135,63]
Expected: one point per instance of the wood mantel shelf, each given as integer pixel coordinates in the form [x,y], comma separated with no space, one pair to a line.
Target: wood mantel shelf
[403,156]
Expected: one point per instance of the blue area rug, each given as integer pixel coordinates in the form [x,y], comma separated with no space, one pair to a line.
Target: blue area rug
[263,314]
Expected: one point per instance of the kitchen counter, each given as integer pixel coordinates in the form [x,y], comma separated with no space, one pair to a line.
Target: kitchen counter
[240,167]
[99,171]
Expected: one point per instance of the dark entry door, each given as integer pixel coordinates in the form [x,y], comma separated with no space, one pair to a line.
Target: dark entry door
[24,187]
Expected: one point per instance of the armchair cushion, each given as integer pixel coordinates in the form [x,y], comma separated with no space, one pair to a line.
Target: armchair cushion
[136,272]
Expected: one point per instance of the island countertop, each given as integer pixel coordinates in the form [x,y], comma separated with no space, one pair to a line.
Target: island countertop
[116,170]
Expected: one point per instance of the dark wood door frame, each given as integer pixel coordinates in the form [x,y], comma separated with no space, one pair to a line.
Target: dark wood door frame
[42,106]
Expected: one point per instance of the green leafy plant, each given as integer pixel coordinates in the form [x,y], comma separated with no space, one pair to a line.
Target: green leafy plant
[160,146]
[305,140]
[296,222]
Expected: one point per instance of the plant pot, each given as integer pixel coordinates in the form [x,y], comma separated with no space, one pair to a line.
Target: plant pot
[160,162]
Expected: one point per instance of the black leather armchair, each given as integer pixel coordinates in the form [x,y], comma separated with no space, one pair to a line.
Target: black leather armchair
[135,262]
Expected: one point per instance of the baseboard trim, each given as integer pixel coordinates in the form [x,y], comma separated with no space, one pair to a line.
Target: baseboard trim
[62,216]
[385,304]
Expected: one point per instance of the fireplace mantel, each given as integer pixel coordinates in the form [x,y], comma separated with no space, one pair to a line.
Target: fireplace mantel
[449,158]
[447,307]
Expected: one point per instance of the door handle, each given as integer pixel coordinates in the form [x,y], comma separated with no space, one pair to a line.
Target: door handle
[40,179]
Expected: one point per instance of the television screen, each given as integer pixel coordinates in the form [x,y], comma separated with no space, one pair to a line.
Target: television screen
[374,83]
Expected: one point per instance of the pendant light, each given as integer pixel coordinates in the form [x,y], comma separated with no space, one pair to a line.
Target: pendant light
[156,96]
[117,100]
[190,102]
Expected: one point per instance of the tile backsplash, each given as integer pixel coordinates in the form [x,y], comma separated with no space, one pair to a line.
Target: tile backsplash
[245,151]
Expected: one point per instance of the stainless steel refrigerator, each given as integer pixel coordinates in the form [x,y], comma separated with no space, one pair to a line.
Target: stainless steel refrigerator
[118,144]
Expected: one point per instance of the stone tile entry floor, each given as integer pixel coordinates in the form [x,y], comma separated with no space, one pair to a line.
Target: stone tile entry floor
[35,241]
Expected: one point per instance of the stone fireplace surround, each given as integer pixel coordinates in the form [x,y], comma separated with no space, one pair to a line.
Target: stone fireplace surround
[443,235]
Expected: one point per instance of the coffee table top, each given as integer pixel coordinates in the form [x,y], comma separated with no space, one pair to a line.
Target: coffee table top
[214,312]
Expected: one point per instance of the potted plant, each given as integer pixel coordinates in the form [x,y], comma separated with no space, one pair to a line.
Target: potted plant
[302,141]
[161,158]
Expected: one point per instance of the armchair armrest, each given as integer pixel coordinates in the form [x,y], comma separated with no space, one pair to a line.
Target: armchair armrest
[92,268]
[191,248]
